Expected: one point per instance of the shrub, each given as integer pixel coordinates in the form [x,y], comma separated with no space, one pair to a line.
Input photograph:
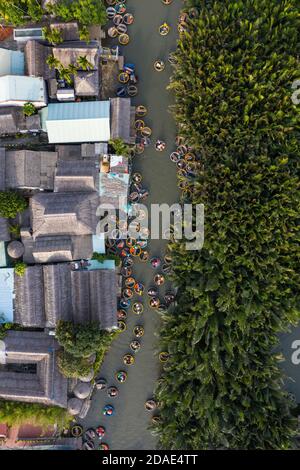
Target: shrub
[14,413]
[72,366]
[15,230]
[103,257]
[11,203]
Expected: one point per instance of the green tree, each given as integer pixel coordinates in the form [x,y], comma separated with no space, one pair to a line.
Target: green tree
[52,35]
[83,63]
[11,203]
[84,34]
[120,147]
[81,340]
[53,62]
[34,10]
[66,75]
[72,69]
[20,268]
[12,12]
[29,109]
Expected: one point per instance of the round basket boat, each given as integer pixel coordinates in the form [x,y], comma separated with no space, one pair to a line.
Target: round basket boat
[128,18]
[122,326]
[164,357]
[137,308]
[76,430]
[103,446]
[122,28]
[123,77]
[128,359]
[150,405]
[141,111]
[135,346]
[118,19]
[110,12]
[124,39]
[164,29]
[132,90]
[121,376]
[138,331]
[15,249]
[159,65]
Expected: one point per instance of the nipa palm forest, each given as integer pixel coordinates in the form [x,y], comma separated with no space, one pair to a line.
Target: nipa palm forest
[222,387]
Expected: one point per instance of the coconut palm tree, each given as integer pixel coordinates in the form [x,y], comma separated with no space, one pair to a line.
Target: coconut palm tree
[53,62]
[221,387]
[83,63]
[65,74]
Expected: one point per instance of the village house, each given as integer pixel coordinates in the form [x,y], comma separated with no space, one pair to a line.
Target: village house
[13,121]
[49,293]
[62,226]
[86,121]
[28,369]
[16,90]
[11,62]
[27,169]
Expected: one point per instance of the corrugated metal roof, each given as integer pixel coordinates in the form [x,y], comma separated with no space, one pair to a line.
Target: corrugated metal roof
[11,62]
[6,294]
[3,261]
[87,121]
[99,243]
[18,88]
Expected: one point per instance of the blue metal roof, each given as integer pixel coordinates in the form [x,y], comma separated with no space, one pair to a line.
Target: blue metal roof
[81,110]
[3,260]
[86,121]
[99,243]
[106,264]
[6,295]
[11,62]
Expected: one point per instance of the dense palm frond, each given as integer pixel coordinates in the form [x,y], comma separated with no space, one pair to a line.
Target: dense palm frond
[232,82]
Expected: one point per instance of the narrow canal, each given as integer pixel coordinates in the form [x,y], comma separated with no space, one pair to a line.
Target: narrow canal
[129,428]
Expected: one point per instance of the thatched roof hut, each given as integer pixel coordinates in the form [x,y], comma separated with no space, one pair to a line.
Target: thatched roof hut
[30,169]
[69,31]
[9,117]
[47,294]
[12,121]
[30,372]
[120,110]
[82,390]
[15,249]
[75,175]
[69,53]
[74,406]
[56,214]
[36,60]
[89,377]
[4,230]
[87,83]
